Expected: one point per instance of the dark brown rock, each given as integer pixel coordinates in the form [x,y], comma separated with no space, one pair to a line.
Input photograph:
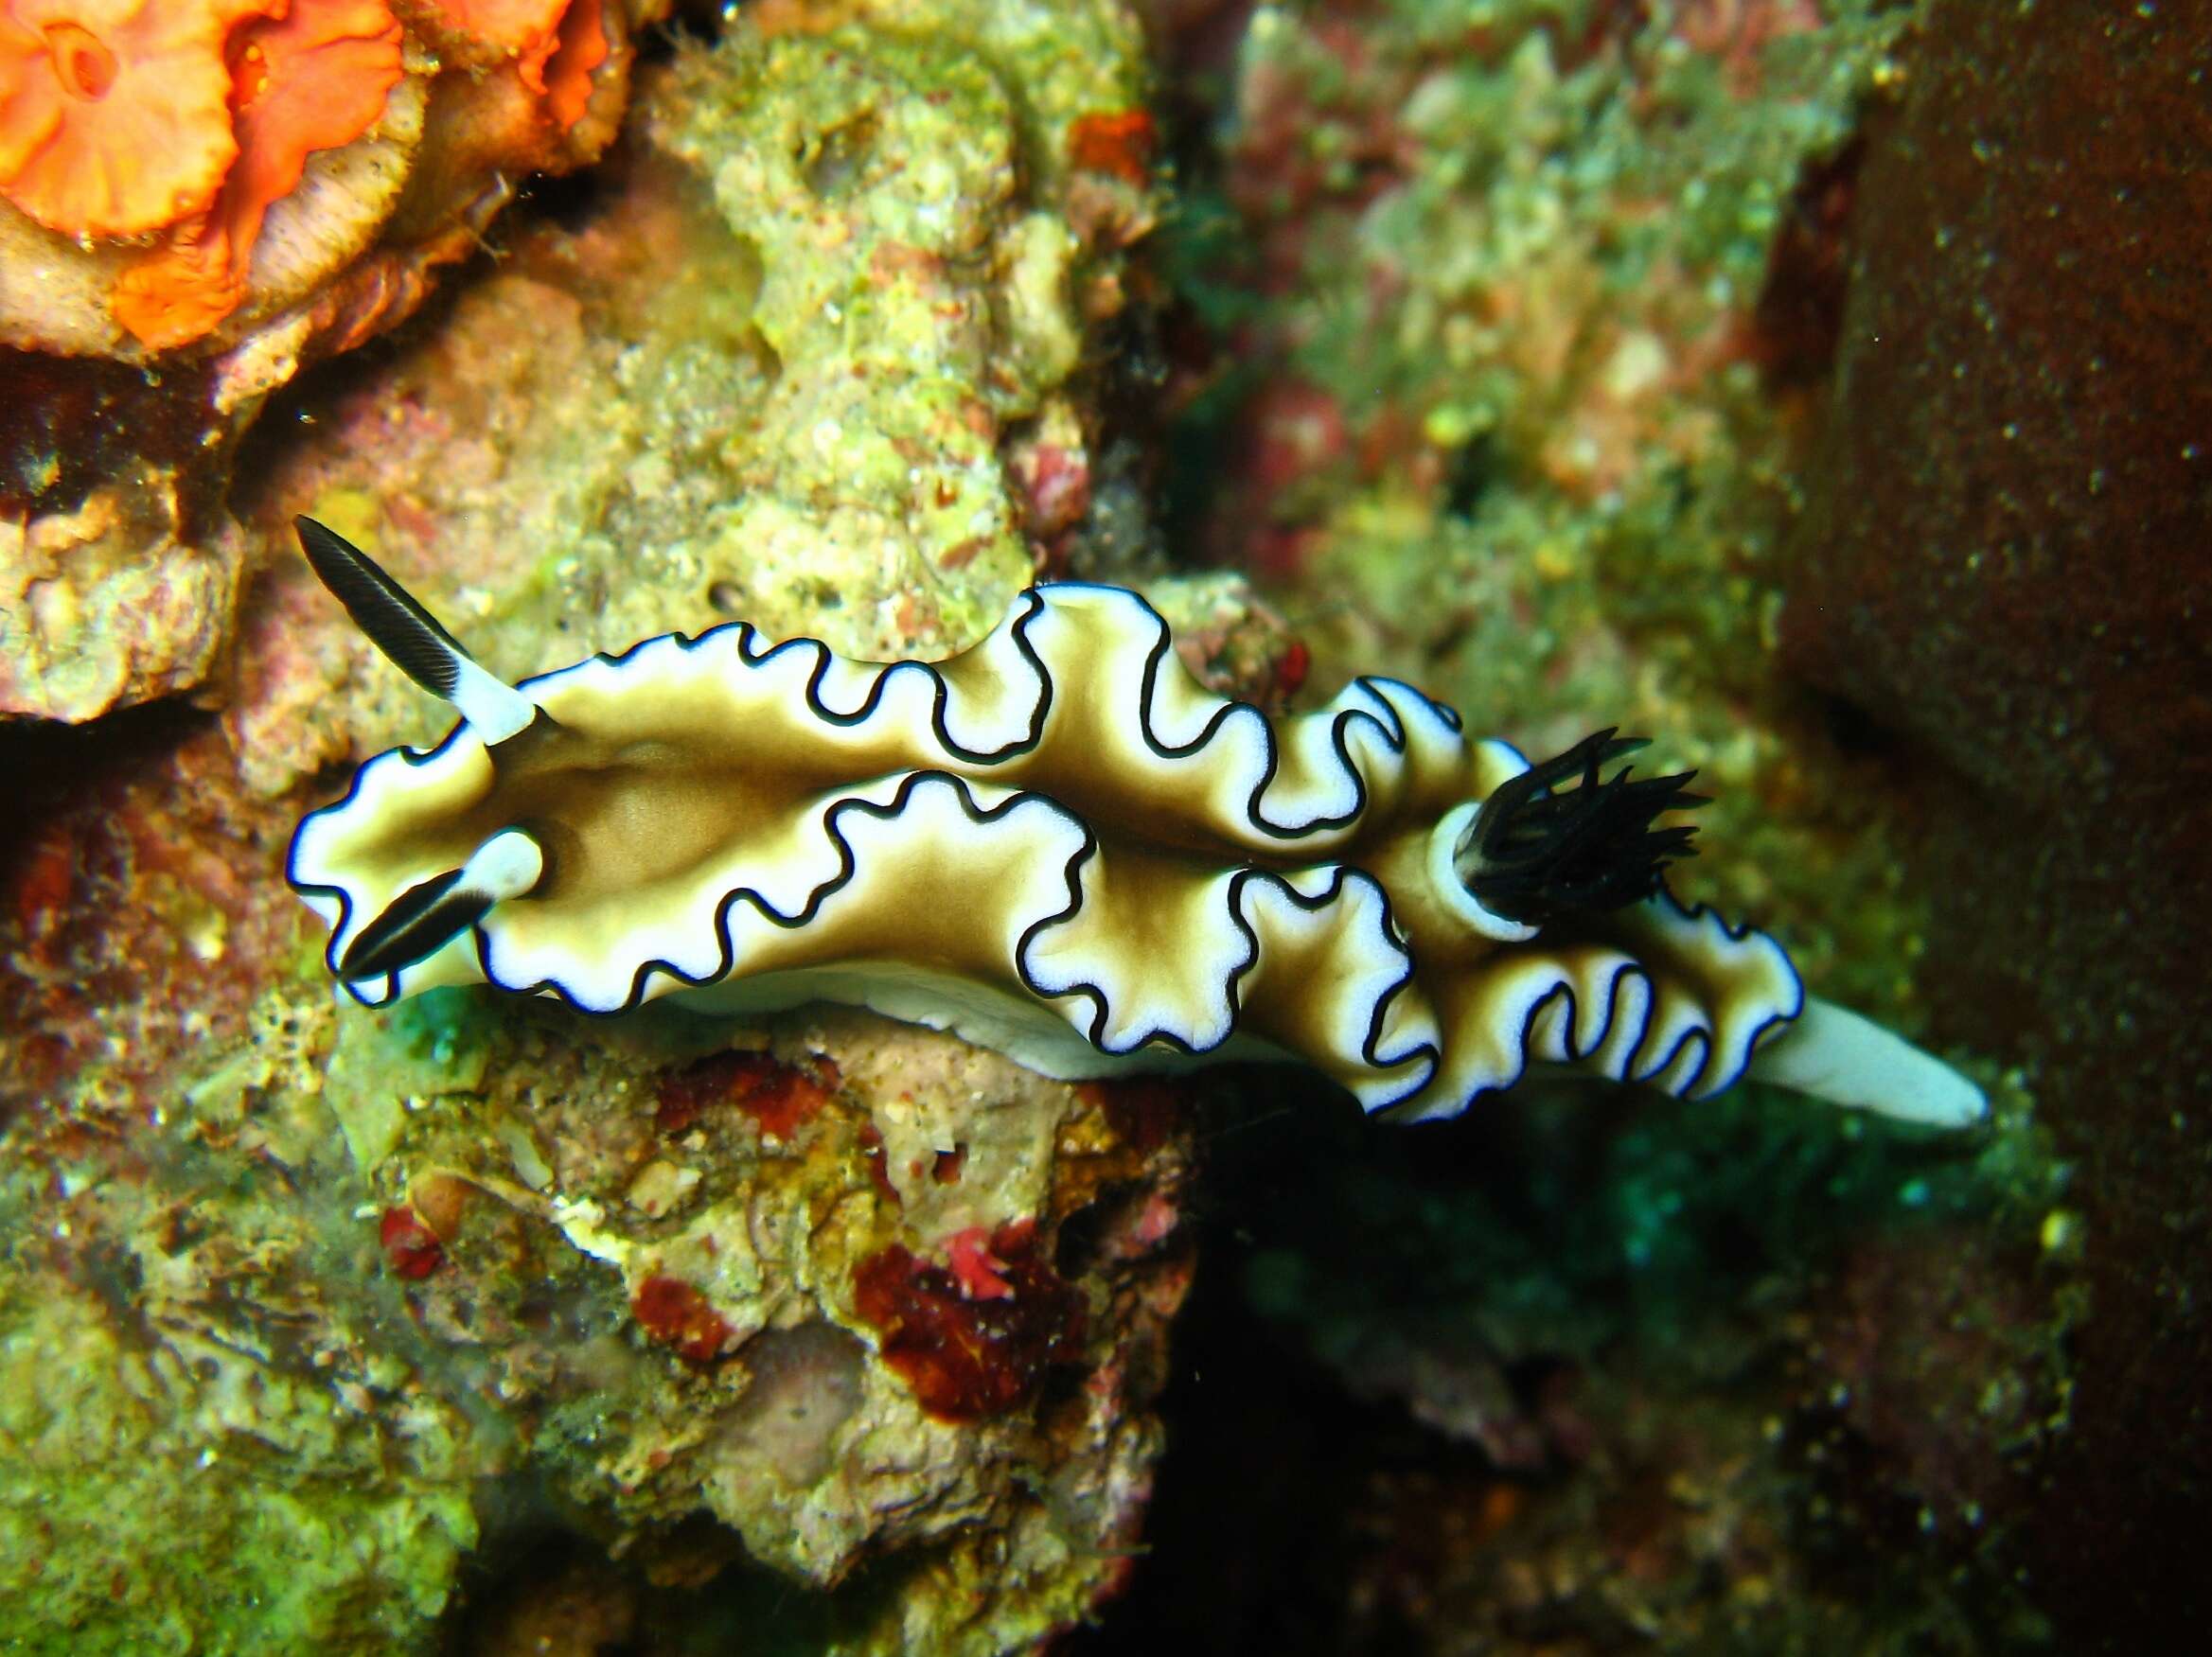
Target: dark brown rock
[2007,558]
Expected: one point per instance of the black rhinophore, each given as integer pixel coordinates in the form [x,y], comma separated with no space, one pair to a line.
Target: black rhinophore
[415,924]
[396,623]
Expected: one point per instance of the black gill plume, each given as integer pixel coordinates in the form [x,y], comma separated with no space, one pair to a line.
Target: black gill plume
[1540,849]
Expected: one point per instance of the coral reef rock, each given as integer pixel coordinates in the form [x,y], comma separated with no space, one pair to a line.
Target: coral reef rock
[306,1312]
[114,602]
[204,195]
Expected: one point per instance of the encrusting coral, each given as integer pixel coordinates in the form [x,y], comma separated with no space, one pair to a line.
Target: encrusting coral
[226,191]
[827,1300]
[113,113]
[187,122]
[316,77]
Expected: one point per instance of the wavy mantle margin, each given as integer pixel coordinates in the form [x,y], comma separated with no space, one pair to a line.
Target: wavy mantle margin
[1057,843]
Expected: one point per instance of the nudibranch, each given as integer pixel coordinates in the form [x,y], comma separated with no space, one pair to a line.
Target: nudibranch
[1060,845]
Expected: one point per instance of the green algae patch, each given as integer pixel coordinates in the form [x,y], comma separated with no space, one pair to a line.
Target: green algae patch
[874,178]
[147,1507]
[388,1060]
[205,1443]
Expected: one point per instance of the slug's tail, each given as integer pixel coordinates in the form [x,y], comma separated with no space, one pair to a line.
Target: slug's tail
[1835,1054]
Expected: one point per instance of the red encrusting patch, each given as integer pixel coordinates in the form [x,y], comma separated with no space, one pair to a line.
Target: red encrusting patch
[1326,132]
[1055,488]
[1292,429]
[410,1248]
[1154,1224]
[967,1359]
[777,1096]
[44,883]
[129,869]
[677,1315]
[1120,141]
[974,1267]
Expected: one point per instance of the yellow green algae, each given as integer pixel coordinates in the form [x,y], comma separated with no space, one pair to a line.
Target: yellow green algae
[833,279]
[183,1498]
[210,1445]
[1585,483]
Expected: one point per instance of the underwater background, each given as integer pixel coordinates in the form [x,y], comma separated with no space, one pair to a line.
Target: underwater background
[1817,387]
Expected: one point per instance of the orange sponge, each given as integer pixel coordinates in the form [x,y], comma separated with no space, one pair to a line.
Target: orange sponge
[526,31]
[179,123]
[315,80]
[554,44]
[114,115]
[582,48]
[312,79]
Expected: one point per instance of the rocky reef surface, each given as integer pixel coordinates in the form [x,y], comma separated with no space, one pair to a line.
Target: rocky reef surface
[305,1309]
[2041,629]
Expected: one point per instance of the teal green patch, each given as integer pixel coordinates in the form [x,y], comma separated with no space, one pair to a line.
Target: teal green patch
[1635,1219]
[392,1060]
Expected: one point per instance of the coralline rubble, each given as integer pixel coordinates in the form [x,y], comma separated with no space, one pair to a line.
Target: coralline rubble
[910,1298]
[197,198]
[915,1310]
[829,1302]
[115,601]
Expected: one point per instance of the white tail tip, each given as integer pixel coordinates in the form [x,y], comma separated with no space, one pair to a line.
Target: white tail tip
[1835,1054]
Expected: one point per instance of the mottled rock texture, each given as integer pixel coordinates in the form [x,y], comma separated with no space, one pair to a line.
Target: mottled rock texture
[136,350]
[836,1327]
[2005,561]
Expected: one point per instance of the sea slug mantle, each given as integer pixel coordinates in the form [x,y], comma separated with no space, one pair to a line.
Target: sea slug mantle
[1060,845]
